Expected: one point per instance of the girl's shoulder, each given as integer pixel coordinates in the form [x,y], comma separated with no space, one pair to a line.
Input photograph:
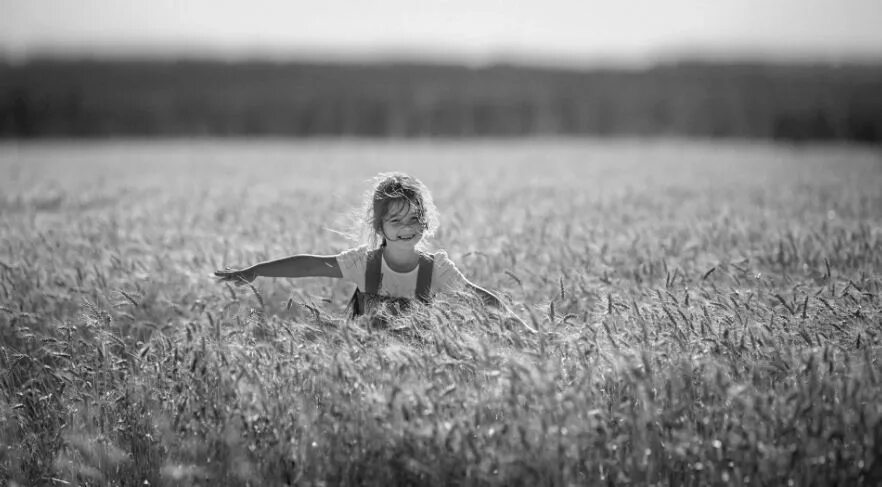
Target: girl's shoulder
[354,255]
[439,255]
[442,260]
[445,274]
[361,249]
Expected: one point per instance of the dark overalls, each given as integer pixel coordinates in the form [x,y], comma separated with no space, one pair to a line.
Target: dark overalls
[370,300]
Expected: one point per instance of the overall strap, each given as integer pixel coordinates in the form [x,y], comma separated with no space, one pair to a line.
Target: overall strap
[424,277]
[372,273]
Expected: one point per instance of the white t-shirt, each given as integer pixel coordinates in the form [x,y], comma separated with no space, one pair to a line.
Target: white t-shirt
[445,276]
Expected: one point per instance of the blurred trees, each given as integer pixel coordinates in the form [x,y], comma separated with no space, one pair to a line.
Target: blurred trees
[101,98]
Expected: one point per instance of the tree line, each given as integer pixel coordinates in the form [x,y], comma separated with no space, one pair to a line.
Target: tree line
[172,98]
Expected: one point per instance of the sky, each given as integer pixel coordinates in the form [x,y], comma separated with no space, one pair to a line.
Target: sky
[470,31]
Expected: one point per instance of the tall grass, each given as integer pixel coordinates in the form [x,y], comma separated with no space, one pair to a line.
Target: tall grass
[708,315]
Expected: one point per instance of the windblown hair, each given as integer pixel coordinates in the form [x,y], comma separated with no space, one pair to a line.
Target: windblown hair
[389,190]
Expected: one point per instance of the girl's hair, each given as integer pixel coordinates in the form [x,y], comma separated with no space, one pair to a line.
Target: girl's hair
[389,190]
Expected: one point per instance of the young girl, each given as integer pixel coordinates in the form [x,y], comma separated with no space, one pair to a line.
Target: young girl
[392,270]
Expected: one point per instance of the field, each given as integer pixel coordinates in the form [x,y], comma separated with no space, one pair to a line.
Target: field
[708,314]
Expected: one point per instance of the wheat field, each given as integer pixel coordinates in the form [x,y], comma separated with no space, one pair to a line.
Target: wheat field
[708,312]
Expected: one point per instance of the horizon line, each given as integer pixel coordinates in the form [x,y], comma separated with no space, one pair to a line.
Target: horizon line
[525,63]
[426,55]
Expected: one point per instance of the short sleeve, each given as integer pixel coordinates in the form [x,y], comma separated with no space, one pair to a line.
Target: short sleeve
[445,276]
[352,263]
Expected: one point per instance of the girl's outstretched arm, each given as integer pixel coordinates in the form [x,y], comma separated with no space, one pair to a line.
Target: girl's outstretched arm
[486,296]
[491,299]
[301,265]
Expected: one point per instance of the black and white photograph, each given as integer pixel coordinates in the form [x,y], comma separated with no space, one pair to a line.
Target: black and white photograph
[441,243]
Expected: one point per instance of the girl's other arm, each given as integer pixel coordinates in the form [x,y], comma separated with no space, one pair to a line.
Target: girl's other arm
[491,299]
[486,296]
[302,265]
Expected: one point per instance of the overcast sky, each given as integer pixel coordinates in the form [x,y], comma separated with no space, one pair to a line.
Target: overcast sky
[473,31]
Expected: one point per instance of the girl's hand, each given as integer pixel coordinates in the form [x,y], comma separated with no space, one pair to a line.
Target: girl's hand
[238,277]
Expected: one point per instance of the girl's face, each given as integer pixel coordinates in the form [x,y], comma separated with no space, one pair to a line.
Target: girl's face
[401,225]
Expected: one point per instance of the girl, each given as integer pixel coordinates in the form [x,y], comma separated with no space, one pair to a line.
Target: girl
[392,269]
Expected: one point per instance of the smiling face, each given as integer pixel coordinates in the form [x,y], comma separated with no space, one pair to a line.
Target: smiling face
[400,212]
[402,224]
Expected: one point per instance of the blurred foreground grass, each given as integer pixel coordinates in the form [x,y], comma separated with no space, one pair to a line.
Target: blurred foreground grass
[709,314]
